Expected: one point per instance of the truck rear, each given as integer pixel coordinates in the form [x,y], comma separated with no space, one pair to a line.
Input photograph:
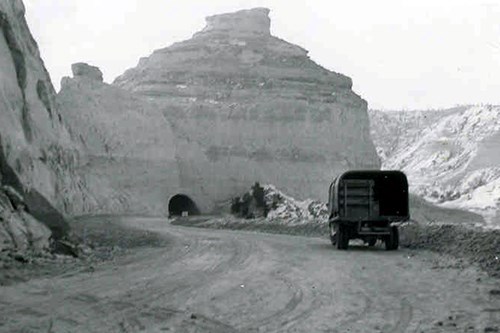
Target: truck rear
[368,205]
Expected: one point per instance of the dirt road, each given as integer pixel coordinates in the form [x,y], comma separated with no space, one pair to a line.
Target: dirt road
[227,281]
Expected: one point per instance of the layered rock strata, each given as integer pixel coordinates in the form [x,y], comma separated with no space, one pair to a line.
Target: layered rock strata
[258,108]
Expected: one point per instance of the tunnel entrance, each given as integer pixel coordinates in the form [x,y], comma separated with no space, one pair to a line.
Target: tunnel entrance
[181,204]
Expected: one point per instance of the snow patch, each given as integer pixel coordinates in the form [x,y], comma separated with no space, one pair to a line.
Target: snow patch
[282,206]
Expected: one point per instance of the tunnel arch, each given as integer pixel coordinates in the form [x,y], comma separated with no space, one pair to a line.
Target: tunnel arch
[180,203]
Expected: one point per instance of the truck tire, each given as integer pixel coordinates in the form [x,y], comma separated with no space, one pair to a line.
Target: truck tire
[396,238]
[342,237]
[392,241]
[333,235]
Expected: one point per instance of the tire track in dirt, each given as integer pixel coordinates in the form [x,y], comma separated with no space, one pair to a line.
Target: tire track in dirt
[87,296]
[240,252]
[302,301]
[351,319]
[86,300]
[405,317]
[271,321]
[95,307]
[182,290]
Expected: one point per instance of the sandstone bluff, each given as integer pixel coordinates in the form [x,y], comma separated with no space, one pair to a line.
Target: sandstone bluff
[246,106]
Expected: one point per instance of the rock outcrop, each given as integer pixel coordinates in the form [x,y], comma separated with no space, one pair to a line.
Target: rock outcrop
[86,71]
[450,156]
[257,109]
[251,21]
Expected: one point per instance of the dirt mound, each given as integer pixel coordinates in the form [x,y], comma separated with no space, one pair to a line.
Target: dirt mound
[475,245]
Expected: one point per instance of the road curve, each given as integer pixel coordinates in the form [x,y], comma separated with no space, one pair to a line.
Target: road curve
[228,281]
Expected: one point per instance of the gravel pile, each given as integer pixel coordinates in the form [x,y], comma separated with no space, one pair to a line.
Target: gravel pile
[22,266]
[478,246]
[93,240]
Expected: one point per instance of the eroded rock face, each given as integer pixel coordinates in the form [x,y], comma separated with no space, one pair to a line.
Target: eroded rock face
[18,229]
[257,107]
[36,152]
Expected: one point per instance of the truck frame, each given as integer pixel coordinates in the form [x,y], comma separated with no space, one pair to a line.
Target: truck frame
[368,205]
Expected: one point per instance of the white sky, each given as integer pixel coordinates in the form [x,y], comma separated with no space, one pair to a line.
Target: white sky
[401,54]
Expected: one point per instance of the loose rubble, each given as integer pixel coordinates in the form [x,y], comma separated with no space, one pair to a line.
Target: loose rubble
[19,230]
[475,245]
[269,202]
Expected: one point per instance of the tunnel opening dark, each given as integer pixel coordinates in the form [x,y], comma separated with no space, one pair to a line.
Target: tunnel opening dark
[181,205]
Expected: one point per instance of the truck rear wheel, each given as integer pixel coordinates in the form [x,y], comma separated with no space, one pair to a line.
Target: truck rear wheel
[333,235]
[342,237]
[392,240]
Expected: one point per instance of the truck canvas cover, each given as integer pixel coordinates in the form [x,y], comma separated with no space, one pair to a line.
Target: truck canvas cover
[370,195]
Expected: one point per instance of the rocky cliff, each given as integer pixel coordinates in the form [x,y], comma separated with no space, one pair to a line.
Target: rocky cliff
[258,108]
[451,156]
[37,156]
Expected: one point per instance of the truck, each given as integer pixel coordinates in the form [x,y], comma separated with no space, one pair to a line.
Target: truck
[368,205]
